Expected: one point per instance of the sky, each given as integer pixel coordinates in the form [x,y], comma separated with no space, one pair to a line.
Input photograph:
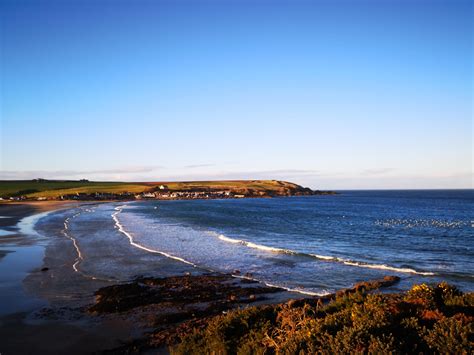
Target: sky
[328,94]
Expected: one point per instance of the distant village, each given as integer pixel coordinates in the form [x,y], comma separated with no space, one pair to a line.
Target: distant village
[160,193]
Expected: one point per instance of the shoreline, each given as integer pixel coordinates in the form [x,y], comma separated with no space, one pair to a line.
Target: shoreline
[21,251]
[31,319]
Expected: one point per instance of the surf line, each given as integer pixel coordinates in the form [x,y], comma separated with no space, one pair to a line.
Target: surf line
[320,257]
[79,257]
[296,290]
[122,230]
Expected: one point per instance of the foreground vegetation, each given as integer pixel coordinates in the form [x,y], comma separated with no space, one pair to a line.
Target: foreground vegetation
[52,189]
[426,319]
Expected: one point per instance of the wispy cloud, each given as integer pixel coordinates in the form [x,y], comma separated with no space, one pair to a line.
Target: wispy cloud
[198,166]
[75,174]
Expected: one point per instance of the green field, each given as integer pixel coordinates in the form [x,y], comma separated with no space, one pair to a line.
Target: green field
[55,188]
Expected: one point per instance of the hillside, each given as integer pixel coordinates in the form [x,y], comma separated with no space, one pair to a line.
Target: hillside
[83,189]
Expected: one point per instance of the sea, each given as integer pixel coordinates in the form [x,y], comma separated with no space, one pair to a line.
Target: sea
[311,245]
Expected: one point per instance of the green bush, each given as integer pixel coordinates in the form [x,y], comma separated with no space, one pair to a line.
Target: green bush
[426,319]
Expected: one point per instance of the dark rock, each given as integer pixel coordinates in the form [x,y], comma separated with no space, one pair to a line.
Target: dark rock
[174,291]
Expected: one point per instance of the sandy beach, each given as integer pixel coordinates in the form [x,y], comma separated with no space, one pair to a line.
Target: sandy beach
[21,250]
[26,321]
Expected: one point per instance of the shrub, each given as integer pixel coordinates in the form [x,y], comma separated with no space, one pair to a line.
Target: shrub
[425,319]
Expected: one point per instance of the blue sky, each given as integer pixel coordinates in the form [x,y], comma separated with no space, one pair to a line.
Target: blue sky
[329,94]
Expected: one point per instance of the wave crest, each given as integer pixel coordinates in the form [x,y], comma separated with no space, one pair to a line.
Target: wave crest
[326,258]
[122,230]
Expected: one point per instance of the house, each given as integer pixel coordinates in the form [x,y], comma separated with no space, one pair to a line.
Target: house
[148,195]
[163,187]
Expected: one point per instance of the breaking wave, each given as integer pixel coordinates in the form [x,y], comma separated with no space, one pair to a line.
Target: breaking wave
[326,258]
[122,230]
[289,289]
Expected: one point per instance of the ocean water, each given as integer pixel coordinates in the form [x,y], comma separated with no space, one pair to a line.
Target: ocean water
[313,245]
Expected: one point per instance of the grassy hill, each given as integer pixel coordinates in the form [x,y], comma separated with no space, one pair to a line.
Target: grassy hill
[56,188]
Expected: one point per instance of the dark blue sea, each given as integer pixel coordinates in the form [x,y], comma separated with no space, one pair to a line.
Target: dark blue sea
[314,244]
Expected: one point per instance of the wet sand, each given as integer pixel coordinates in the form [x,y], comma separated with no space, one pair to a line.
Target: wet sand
[28,325]
[20,252]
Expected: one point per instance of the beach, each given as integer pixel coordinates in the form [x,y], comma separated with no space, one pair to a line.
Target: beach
[22,327]
[20,250]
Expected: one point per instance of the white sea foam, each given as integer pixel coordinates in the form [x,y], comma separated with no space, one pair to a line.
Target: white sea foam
[304,292]
[252,245]
[122,230]
[68,235]
[386,267]
[230,240]
[372,266]
[265,248]
[297,290]
[132,242]
[79,258]
[321,257]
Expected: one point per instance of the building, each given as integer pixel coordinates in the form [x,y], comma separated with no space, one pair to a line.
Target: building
[148,195]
